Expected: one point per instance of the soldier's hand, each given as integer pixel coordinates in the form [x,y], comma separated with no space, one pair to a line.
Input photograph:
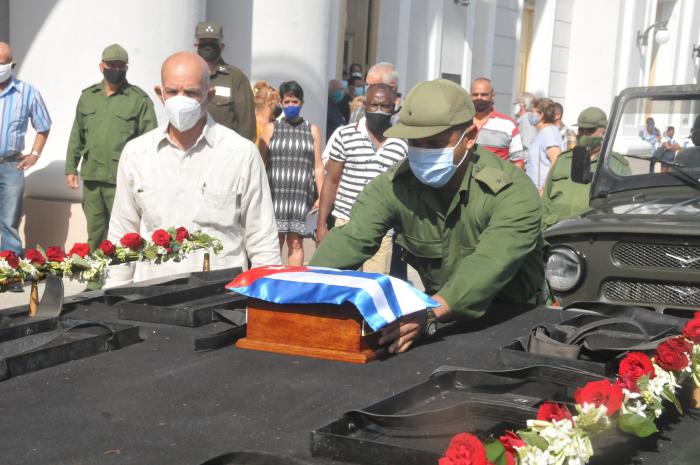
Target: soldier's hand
[321,231]
[72,181]
[27,162]
[402,333]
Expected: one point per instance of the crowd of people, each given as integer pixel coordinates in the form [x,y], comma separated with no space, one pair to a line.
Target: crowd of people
[438,179]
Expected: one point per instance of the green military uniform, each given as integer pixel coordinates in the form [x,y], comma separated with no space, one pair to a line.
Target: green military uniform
[102,126]
[233,103]
[562,198]
[486,245]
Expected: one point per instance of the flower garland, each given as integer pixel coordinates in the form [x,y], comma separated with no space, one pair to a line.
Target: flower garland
[634,400]
[86,265]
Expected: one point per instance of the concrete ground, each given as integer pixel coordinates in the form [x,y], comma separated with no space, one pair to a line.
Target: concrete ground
[12,299]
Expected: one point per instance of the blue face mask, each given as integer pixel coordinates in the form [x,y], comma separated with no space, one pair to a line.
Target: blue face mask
[358,90]
[336,95]
[533,118]
[434,167]
[292,111]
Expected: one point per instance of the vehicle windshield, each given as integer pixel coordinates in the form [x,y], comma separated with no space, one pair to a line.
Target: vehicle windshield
[652,138]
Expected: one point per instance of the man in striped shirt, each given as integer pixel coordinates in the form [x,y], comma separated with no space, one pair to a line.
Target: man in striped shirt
[497,132]
[358,154]
[19,102]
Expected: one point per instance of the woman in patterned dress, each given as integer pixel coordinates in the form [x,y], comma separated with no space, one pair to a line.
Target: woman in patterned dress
[291,148]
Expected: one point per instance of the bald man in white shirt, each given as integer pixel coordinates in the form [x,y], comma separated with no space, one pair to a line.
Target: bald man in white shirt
[195,173]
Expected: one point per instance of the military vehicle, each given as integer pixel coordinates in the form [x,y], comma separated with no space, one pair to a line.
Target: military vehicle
[639,243]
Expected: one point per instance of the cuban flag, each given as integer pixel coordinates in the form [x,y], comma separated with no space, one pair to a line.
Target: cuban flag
[380,299]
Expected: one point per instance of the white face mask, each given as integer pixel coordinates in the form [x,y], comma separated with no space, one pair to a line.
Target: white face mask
[183,112]
[516,109]
[5,72]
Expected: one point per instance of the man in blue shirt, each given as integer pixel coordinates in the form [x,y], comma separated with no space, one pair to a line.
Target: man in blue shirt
[19,102]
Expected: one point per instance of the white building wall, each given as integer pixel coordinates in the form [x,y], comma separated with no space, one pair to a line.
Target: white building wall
[4,20]
[590,79]
[236,19]
[504,69]
[293,42]
[561,39]
[45,35]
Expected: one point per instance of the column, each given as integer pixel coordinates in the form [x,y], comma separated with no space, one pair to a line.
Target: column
[293,41]
[236,18]
[58,45]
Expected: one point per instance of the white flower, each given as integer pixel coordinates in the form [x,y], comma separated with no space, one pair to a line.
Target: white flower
[633,403]
[28,268]
[662,380]
[567,443]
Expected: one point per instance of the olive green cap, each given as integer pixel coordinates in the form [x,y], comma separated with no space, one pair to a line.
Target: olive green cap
[115,52]
[592,117]
[208,30]
[430,108]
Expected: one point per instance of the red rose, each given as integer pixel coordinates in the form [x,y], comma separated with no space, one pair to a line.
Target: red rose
[465,449]
[107,248]
[692,329]
[80,249]
[511,441]
[601,393]
[35,257]
[11,258]
[161,237]
[681,344]
[181,234]
[132,240]
[634,366]
[670,357]
[553,411]
[55,254]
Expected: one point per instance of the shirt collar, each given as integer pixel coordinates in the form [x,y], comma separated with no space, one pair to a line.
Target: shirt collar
[208,134]
[14,84]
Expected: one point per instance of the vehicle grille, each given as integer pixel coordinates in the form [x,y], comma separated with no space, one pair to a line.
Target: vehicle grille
[619,290]
[657,256]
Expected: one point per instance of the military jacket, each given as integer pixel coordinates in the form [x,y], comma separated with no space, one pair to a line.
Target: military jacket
[102,126]
[563,198]
[486,245]
[233,104]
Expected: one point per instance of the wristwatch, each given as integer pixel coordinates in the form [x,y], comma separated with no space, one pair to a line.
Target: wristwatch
[430,326]
[34,152]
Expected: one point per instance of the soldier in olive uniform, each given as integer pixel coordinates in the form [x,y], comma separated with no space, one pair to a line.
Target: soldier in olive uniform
[467,221]
[563,198]
[109,114]
[233,104]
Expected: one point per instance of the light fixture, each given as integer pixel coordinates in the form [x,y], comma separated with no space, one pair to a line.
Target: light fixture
[696,51]
[661,37]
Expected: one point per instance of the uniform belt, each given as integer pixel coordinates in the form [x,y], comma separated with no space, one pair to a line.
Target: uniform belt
[11,157]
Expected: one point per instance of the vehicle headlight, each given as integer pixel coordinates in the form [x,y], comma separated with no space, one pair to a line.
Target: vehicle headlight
[564,269]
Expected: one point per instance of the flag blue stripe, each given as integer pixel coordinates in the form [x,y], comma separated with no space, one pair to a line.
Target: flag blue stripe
[288,292]
[280,291]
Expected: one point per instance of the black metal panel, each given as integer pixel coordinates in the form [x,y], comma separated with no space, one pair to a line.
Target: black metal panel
[415,426]
[58,340]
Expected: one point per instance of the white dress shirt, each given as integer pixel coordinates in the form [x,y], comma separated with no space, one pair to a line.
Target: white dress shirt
[218,186]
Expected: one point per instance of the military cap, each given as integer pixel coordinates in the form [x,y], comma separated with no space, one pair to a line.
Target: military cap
[592,117]
[430,108]
[208,30]
[115,52]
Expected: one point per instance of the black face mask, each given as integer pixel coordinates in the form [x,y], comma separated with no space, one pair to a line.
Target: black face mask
[277,111]
[210,52]
[378,122]
[482,105]
[114,76]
